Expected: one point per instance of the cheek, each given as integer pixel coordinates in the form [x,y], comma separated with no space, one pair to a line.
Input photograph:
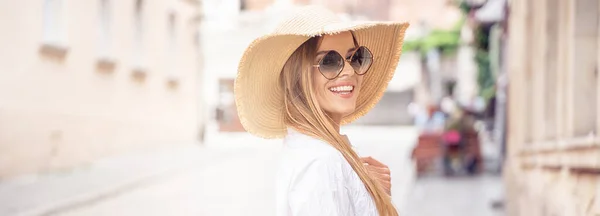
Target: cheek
[319,83]
[320,91]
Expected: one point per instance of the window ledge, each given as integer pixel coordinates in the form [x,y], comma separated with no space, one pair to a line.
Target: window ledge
[54,49]
[139,73]
[106,64]
[576,159]
[173,81]
[581,143]
[584,142]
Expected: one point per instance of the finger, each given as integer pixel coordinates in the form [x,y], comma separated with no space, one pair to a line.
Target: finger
[386,186]
[380,170]
[383,180]
[384,177]
[371,161]
[380,176]
[388,189]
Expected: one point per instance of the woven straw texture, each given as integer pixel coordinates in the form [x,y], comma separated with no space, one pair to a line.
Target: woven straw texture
[258,96]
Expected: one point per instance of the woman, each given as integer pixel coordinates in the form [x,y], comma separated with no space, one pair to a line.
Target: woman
[313,74]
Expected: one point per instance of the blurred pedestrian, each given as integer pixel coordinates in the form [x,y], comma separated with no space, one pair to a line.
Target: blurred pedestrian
[301,82]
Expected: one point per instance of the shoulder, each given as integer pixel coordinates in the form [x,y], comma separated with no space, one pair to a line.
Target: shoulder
[310,164]
[303,154]
[302,148]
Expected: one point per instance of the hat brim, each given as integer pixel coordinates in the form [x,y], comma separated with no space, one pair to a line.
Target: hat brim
[258,94]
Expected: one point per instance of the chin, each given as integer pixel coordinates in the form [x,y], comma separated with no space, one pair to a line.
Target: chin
[345,112]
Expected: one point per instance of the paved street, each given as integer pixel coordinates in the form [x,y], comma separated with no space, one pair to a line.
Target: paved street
[455,196]
[234,175]
[241,182]
[238,184]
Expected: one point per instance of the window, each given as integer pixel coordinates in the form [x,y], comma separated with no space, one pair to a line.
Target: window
[138,37]
[172,50]
[257,5]
[551,65]
[172,34]
[196,40]
[585,68]
[529,90]
[104,30]
[54,26]
[243,5]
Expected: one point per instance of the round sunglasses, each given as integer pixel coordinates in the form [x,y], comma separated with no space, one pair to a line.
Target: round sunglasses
[332,64]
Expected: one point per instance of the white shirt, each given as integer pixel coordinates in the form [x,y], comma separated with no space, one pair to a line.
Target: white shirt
[314,179]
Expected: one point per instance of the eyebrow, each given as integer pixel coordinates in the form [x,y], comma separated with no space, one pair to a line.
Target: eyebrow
[326,51]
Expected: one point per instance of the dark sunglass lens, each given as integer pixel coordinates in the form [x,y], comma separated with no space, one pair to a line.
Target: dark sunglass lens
[331,64]
[361,60]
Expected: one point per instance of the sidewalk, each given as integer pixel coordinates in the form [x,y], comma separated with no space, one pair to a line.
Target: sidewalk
[44,194]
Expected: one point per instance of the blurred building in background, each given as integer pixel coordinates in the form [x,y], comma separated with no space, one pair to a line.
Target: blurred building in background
[553,158]
[228,30]
[82,80]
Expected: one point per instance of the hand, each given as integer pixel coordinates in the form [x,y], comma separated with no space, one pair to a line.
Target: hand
[379,172]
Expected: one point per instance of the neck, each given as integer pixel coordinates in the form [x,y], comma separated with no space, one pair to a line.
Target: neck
[337,121]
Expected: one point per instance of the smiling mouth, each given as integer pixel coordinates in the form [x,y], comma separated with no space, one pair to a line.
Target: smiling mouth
[343,90]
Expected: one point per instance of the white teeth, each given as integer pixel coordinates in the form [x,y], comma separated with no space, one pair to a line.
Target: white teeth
[341,88]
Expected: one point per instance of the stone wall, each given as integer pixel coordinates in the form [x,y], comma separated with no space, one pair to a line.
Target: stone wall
[553,158]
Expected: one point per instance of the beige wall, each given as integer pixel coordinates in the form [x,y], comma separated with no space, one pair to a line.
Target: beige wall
[441,14]
[553,161]
[255,5]
[60,111]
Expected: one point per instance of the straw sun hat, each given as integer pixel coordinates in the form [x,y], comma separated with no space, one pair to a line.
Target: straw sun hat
[258,95]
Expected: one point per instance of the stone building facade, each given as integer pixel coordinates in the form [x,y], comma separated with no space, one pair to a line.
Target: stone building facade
[83,80]
[553,153]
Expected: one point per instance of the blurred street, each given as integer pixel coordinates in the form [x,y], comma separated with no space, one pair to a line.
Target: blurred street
[233,174]
[126,108]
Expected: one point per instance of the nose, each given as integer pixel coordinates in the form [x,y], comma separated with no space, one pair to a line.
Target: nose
[348,71]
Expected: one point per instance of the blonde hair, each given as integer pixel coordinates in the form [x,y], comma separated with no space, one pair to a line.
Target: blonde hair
[303,113]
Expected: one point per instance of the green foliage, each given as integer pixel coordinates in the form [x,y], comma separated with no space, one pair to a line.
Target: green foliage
[411,45]
[447,41]
[464,7]
[482,38]
[485,78]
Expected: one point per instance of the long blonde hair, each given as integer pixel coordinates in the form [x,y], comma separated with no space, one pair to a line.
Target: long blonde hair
[303,113]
